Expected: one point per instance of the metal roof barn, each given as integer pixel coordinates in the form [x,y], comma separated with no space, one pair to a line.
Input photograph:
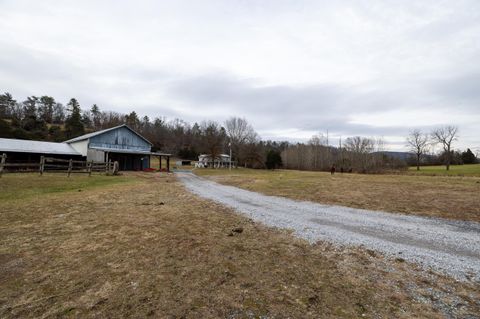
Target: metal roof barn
[120,143]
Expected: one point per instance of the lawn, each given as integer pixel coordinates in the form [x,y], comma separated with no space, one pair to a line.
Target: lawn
[437,196]
[455,170]
[24,186]
[145,247]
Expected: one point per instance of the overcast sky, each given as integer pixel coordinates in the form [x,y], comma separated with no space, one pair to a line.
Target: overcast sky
[292,68]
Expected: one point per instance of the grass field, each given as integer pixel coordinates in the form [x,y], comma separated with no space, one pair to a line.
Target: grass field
[24,186]
[439,196]
[455,170]
[141,246]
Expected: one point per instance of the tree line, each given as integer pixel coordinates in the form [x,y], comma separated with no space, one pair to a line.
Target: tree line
[44,118]
[421,145]
[356,154]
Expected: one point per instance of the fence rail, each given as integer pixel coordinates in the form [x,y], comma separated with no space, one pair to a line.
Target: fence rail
[58,165]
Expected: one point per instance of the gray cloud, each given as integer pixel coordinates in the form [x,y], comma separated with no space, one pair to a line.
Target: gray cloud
[292,68]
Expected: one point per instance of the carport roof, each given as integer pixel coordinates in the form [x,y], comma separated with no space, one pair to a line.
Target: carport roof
[28,146]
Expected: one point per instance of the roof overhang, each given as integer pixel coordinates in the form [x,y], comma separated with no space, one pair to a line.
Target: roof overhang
[126,151]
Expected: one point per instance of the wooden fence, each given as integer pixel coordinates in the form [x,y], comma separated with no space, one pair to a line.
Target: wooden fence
[57,165]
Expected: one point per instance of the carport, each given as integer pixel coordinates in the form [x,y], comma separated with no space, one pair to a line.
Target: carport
[129,160]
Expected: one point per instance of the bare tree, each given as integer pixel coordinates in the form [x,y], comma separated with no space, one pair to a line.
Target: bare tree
[213,139]
[240,133]
[358,149]
[418,144]
[445,136]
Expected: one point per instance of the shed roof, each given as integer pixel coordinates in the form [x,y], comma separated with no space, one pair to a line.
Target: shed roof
[89,135]
[28,146]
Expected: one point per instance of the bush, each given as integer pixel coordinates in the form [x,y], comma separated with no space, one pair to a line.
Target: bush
[274,160]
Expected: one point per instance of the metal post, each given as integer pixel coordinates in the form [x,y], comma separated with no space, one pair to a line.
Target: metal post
[230,166]
[168,163]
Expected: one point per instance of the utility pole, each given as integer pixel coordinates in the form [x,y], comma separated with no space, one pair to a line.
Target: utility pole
[230,145]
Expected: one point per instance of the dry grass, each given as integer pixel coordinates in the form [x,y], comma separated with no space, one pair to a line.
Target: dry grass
[439,196]
[27,185]
[455,170]
[149,248]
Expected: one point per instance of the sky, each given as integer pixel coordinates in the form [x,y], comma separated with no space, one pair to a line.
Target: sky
[293,69]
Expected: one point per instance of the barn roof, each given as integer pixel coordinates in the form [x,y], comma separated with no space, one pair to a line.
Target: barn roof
[28,146]
[89,135]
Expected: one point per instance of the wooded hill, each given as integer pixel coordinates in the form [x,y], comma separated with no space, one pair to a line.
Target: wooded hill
[44,118]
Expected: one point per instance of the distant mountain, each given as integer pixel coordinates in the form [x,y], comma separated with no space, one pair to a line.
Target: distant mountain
[397,155]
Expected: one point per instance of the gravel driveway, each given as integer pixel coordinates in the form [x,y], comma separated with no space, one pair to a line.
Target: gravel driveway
[452,247]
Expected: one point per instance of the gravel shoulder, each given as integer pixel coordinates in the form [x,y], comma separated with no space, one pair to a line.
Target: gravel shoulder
[452,247]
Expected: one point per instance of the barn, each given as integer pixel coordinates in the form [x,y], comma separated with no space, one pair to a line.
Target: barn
[121,143]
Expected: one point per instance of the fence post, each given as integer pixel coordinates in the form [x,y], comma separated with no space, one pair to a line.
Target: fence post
[107,166]
[2,163]
[89,168]
[70,165]
[42,165]
[115,168]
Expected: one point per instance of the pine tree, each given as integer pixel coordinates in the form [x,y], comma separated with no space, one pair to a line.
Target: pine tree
[45,109]
[6,105]
[96,116]
[468,157]
[73,125]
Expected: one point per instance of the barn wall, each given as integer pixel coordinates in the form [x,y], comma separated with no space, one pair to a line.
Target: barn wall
[121,138]
[80,146]
[95,155]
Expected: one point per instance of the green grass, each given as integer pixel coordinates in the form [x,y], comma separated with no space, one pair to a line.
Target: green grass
[27,185]
[460,170]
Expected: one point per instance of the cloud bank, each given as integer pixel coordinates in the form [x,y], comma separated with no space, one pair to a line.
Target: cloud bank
[292,68]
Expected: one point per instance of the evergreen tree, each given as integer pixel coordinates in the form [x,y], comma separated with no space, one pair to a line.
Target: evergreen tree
[7,103]
[96,117]
[468,157]
[73,125]
[36,127]
[45,108]
[132,120]
[29,113]
[274,159]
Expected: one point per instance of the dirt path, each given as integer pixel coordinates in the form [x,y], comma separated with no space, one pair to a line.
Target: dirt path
[452,247]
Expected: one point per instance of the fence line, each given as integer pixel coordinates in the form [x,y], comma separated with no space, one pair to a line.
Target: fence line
[58,165]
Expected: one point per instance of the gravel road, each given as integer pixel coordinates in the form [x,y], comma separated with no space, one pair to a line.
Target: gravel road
[452,247]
